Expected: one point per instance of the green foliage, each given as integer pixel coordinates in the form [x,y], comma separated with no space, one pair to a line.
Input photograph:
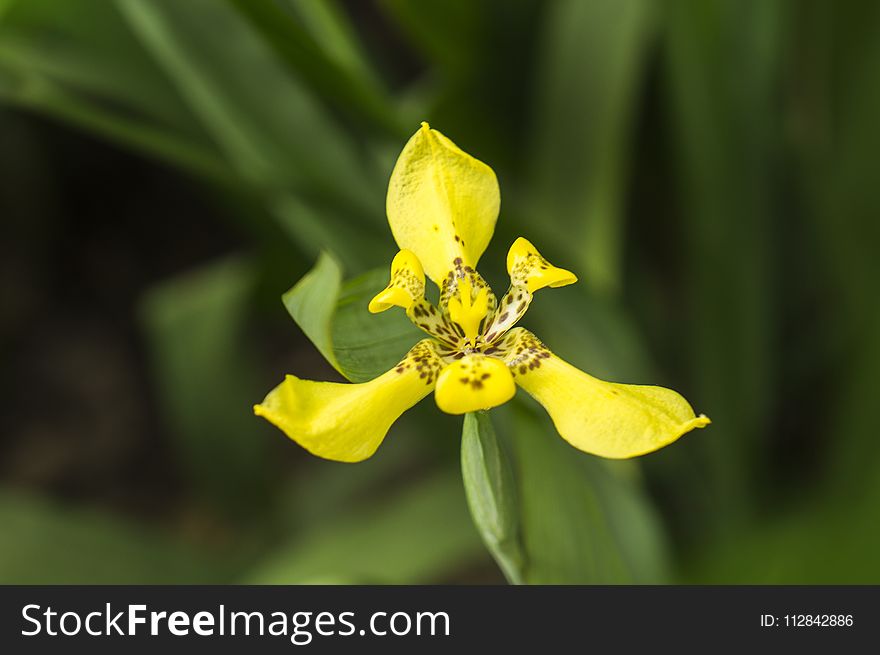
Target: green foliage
[705,167]
[491,494]
[195,326]
[46,543]
[583,521]
[591,66]
[334,316]
[388,543]
[723,119]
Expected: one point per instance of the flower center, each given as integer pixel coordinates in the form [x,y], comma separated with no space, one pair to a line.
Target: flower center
[468,311]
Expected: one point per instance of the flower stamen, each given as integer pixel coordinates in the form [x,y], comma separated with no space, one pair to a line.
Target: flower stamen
[468,312]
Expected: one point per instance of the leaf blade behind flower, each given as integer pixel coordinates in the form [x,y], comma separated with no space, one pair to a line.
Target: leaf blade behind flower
[584,520]
[333,315]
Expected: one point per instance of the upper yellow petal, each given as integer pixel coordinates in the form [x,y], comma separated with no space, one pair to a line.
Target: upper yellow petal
[603,418]
[347,422]
[472,383]
[442,203]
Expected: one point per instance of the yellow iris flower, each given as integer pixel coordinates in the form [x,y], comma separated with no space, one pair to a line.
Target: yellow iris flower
[442,206]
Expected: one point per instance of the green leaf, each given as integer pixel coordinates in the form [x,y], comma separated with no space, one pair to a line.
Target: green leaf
[48,543]
[584,520]
[316,41]
[433,25]
[268,123]
[69,44]
[725,63]
[206,377]
[77,62]
[592,64]
[312,302]
[53,100]
[368,344]
[419,536]
[491,494]
[334,317]
[843,200]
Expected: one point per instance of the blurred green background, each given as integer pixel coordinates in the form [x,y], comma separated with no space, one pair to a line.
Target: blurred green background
[168,169]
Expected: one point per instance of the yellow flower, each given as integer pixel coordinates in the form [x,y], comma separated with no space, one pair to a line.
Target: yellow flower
[442,206]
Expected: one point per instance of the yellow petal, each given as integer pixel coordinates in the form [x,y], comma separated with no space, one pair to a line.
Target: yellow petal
[472,383]
[468,310]
[529,271]
[603,418]
[527,266]
[347,422]
[407,284]
[442,203]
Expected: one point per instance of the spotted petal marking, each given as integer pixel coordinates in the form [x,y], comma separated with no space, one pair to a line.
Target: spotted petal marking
[460,271]
[436,323]
[472,383]
[526,266]
[422,358]
[406,287]
[522,351]
[513,305]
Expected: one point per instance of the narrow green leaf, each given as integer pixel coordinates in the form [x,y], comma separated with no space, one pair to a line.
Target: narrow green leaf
[77,62]
[46,97]
[433,25]
[314,227]
[327,23]
[491,493]
[593,58]
[334,316]
[87,48]
[843,199]
[582,521]
[315,40]
[268,123]
[724,62]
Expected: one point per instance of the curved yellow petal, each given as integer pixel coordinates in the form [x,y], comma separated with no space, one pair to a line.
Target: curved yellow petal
[526,265]
[603,418]
[442,203]
[529,272]
[407,284]
[472,383]
[347,422]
